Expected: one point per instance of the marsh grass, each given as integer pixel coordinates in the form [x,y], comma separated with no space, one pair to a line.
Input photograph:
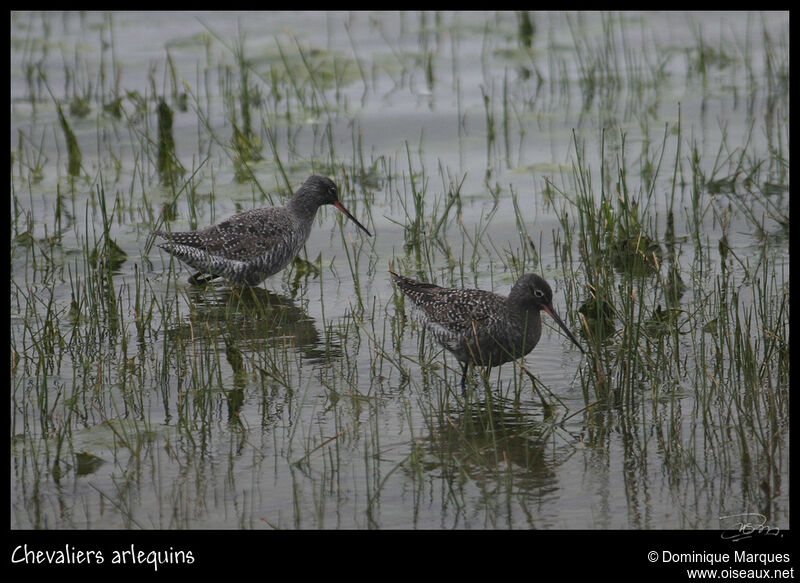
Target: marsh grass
[723,346]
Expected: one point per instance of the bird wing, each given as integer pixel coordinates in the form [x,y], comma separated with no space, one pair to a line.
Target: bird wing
[242,237]
[470,308]
[453,314]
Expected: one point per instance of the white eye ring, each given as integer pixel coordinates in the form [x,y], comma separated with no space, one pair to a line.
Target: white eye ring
[538,293]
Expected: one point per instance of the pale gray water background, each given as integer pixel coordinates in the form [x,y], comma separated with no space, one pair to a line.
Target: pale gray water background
[379,454]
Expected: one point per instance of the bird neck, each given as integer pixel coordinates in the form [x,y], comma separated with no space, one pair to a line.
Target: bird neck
[527,310]
[302,207]
[530,316]
[524,328]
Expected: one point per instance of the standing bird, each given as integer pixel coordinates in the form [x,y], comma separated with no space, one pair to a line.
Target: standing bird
[481,327]
[250,246]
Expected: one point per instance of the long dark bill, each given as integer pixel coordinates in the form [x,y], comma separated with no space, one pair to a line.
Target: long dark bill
[339,206]
[555,317]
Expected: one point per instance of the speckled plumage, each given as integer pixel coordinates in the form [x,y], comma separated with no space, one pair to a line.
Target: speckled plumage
[481,327]
[253,245]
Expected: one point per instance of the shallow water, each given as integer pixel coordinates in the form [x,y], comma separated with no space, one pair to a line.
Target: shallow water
[309,403]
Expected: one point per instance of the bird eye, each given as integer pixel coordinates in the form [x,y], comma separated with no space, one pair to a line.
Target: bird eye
[538,293]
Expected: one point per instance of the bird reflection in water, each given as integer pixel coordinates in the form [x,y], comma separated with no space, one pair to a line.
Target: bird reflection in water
[253,321]
[495,442]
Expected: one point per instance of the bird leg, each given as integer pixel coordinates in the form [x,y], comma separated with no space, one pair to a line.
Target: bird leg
[464,378]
